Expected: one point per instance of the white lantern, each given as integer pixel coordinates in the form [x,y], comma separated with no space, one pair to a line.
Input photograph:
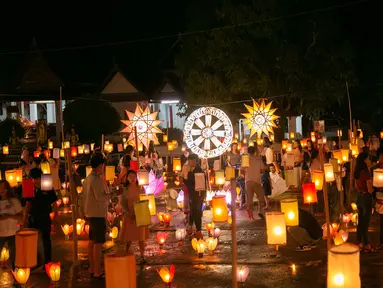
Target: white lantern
[199,179]
[143,177]
[56,153]
[328,172]
[378,178]
[46,182]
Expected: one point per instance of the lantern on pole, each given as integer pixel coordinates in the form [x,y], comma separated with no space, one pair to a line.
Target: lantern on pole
[45,167]
[317,179]
[337,154]
[177,164]
[26,248]
[219,207]
[290,208]
[276,228]
[120,270]
[354,150]
[328,172]
[345,155]
[219,177]
[309,193]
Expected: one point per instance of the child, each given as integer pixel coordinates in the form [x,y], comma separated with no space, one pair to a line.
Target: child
[129,231]
[11,213]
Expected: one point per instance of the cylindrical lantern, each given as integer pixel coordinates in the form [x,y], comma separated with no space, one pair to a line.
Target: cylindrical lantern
[328,172]
[199,179]
[66,145]
[276,228]
[28,188]
[62,153]
[335,165]
[86,149]
[343,266]
[337,154]
[80,150]
[10,176]
[143,177]
[26,248]
[165,138]
[73,151]
[317,179]
[45,167]
[177,164]
[46,182]
[219,206]
[345,154]
[229,173]
[152,203]
[219,177]
[309,193]
[378,178]
[354,149]
[120,270]
[56,153]
[141,210]
[19,175]
[109,173]
[245,160]
[5,150]
[290,208]
[170,146]
[284,144]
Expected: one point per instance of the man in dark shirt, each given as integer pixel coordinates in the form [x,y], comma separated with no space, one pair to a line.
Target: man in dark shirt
[38,209]
[307,233]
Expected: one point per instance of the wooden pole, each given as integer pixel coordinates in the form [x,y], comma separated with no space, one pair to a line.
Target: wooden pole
[102,142]
[325,196]
[73,205]
[136,144]
[63,135]
[349,106]
[341,195]
[234,268]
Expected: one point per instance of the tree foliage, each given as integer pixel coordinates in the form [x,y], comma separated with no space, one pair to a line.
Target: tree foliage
[91,118]
[6,128]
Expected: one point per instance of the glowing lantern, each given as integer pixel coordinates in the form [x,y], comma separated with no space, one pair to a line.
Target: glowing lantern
[141,210]
[161,238]
[304,142]
[66,145]
[26,248]
[166,274]
[313,138]
[289,147]
[210,226]
[328,172]
[199,246]
[143,177]
[338,239]
[276,228]
[87,229]
[79,226]
[167,218]
[284,144]
[10,176]
[109,173]
[378,178]
[165,138]
[180,235]
[345,155]
[292,135]
[152,203]
[67,230]
[58,203]
[79,189]
[80,150]
[21,275]
[199,179]
[219,177]
[309,193]
[45,167]
[36,154]
[290,208]
[335,165]
[73,151]
[120,270]
[354,150]
[219,207]
[354,218]
[170,146]
[343,266]
[211,244]
[5,150]
[230,173]
[62,153]
[4,254]
[177,164]
[66,200]
[245,160]
[317,178]
[160,216]
[354,206]
[52,215]
[114,233]
[242,273]
[53,271]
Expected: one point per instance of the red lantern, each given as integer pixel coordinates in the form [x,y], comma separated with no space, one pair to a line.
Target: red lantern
[52,215]
[161,238]
[309,193]
[28,188]
[46,153]
[167,217]
[36,154]
[133,165]
[73,151]
[58,203]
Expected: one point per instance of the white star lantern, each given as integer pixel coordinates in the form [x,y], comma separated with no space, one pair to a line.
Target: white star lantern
[146,124]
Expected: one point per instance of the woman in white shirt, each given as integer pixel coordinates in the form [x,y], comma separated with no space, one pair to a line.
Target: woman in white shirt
[11,214]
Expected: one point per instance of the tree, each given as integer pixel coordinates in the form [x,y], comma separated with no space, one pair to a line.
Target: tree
[6,128]
[91,118]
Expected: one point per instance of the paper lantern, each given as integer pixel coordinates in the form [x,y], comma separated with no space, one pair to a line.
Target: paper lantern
[343,266]
[4,254]
[56,153]
[177,164]
[219,177]
[345,155]
[211,244]
[143,177]
[289,147]
[313,138]
[200,184]
[62,153]
[170,146]
[79,189]
[180,235]
[67,230]
[73,151]
[36,154]
[45,167]
[309,193]
[88,170]
[166,274]
[66,145]
[21,275]
[324,140]
[26,248]
[46,182]
[79,226]
[199,246]
[242,273]
[284,144]
[28,188]
[19,175]
[216,232]
[133,165]
[152,203]
[290,208]
[120,270]
[245,160]
[219,207]
[53,271]
[335,165]
[167,218]
[354,150]
[165,138]
[10,176]
[317,179]
[328,172]
[141,210]
[66,200]
[337,154]
[80,150]
[5,150]
[114,233]
[378,178]
[161,238]
[290,177]
[109,173]
[276,228]
[290,159]
[304,142]
[229,173]
[292,135]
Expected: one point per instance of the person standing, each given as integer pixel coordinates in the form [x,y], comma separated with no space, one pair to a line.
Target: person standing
[234,158]
[196,197]
[379,198]
[360,142]
[39,208]
[253,183]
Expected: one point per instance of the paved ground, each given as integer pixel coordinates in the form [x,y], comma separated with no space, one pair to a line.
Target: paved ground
[268,267]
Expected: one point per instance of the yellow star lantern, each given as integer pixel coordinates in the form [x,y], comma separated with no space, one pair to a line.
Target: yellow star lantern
[260,118]
[146,124]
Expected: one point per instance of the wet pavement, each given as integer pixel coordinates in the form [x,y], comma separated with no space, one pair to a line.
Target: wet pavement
[268,267]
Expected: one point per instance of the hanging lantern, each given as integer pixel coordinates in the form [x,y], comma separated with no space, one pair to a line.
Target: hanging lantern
[141,210]
[62,153]
[67,230]
[5,150]
[88,170]
[21,275]
[317,179]
[245,161]
[211,244]
[328,172]
[345,155]
[152,203]
[167,275]
[161,238]
[219,207]
[309,193]
[343,266]
[230,173]
[19,175]
[177,164]
[276,228]
[46,182]
[199,179]
[170,146]
[80,150]
[378,178]
[199,246]
[4,255]
[109,173]
[73,151]
[284,144]
[242,273]
[354,150]
[335,165]
[143,177]
[53,271]
[26,248]
[290,208]
[219,177]
[120,270]
[10,176]
[45,167]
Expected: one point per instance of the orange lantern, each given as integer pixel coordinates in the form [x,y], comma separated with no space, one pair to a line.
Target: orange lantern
[120,270]
[219,206]
[167,217]
[53,271]
[26,248]
[73,151]
[52,215]
[161,238]
[36,154]
[166,274]
[19,175]
[309,193]
[65,200]
[284,144]
[21,275]
[177,164]
[5,150]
